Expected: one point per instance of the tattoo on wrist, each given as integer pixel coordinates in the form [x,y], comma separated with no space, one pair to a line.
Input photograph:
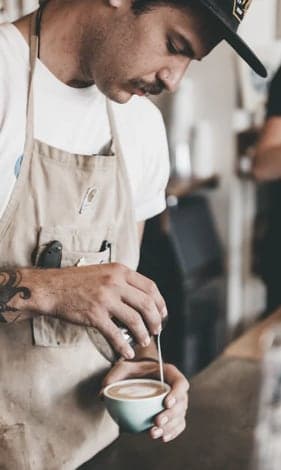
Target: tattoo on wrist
[9,288]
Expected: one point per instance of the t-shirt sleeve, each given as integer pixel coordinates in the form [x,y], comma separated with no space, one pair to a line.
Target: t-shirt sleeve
[156,168]
[274,97]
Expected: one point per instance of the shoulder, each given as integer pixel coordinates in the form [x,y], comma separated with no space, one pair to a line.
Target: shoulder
[14,58]
[13,48]
[14,70]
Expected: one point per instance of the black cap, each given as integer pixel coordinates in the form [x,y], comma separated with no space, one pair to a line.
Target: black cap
[230,13]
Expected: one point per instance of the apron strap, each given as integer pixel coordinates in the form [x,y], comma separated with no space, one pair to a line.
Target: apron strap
[121,163]
[29,133]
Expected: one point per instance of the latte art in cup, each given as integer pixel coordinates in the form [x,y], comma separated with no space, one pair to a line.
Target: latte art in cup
[136,390]
[134,403]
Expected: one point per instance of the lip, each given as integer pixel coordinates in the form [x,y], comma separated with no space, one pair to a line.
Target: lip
[139,92]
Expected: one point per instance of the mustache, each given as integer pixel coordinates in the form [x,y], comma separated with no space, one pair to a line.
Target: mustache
[149,88]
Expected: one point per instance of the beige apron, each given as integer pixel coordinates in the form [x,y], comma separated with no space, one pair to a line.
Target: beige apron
[50,415]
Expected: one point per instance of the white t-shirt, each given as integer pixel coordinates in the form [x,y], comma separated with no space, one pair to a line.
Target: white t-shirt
[75,120]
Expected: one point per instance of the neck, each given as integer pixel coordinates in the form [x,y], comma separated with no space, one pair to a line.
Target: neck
[60,42]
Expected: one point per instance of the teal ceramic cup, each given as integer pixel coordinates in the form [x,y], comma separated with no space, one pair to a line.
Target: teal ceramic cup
[136,412]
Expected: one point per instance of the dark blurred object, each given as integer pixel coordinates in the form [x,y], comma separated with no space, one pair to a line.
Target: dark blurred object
[245,143]
[181,251]
[182,187]
[267,241]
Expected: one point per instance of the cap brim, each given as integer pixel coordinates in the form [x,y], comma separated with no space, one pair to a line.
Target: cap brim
[245,52]
[237,42]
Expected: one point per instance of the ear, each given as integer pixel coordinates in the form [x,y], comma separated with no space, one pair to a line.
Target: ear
[115,3]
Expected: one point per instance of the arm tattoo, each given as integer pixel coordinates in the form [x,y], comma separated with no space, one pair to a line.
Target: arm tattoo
[9,287]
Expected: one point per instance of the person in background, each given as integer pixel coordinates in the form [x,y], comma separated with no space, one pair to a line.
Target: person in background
[83,164]
[266,169]
[267,157]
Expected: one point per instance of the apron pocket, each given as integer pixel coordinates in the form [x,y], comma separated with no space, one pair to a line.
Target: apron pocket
[13,452]
[79,248]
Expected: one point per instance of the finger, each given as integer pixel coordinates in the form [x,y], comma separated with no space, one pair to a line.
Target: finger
[172,429]
[156,432]
[123,369]
[120,371]
[179,385]
[167,416]
[145,306]
[114,336]
[175,432]
[133,320]
[150,288]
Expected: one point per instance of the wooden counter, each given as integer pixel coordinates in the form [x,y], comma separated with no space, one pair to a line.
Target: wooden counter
[221,418]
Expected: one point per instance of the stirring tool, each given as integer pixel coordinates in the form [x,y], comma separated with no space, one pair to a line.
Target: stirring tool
[160,358]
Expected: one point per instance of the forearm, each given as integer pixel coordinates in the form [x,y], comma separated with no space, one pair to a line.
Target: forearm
[23,293]
[88,295]
[267,164]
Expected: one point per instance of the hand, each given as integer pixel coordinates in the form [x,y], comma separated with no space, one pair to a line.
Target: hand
[95,295]
[171,421]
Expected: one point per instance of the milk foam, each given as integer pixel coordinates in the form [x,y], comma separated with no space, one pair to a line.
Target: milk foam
[137,391]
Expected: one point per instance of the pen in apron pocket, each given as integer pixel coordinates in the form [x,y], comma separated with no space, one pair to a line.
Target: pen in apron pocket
[104,246]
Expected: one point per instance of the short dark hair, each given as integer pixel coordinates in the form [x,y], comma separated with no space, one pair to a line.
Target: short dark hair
[209,26]
[143,6]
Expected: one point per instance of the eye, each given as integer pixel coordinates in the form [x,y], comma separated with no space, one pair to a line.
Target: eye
[172,48]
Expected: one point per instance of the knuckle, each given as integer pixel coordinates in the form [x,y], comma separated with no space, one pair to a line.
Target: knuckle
[115,266]
[148,305]
[119,268]
[107,279]
[122,347]
[136,323]
[162,304]
[116,340]
[152,288]
[118,343]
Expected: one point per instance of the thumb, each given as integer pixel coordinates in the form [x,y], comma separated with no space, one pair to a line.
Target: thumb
[124,370]
[120,371]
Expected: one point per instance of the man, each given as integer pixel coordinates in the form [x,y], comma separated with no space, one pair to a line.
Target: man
[267,169]
[92,169]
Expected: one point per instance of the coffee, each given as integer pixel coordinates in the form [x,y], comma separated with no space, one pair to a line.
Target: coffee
[134,391]
[134,403]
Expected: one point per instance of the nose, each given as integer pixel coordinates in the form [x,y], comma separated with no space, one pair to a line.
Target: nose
[172,75]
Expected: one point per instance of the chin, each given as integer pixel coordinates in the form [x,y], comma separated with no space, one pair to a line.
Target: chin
[118,95]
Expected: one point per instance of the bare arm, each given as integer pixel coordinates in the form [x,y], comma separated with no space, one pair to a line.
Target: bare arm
[267,159]
[19,294]
[87,295]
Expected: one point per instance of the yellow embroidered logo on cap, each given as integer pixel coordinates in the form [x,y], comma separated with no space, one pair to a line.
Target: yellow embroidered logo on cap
[240,7]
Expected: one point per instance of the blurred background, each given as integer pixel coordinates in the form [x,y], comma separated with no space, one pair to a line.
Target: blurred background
[207,251]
